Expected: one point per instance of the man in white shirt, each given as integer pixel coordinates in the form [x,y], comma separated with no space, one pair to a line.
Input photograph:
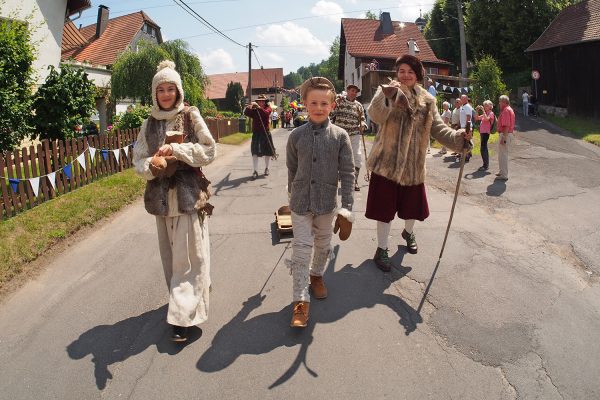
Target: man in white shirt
[466,115]
[525,103]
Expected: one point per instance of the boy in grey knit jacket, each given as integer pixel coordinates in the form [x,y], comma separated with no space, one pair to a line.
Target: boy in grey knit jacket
[317,153]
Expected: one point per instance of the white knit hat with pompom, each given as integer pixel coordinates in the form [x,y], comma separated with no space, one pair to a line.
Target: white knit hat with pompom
[165,73]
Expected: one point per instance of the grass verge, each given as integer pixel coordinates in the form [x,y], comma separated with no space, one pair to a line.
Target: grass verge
[28,235]
[235,138]
[582,128]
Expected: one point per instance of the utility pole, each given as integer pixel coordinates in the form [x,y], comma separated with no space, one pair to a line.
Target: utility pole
[463,45]
[249,73]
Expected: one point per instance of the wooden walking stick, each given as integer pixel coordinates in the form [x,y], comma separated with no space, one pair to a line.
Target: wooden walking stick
[367,177]
[460,174]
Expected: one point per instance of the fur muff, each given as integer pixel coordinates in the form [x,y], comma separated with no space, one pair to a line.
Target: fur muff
[401,145]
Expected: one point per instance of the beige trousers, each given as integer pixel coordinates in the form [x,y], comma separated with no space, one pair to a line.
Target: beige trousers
[309,231]
[356,142]
[185,253]
[504,141]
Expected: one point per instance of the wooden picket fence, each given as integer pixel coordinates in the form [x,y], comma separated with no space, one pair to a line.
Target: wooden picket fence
[53,156]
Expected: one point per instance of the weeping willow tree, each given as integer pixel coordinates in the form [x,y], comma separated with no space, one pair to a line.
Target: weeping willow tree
[133,71]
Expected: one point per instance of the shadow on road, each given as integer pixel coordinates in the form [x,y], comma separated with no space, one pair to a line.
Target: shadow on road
[350,288]
[110,344]
[477,174]
[227,184]
[497,188]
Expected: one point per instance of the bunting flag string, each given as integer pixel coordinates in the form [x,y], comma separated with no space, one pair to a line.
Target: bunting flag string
[444,87]
[67,169]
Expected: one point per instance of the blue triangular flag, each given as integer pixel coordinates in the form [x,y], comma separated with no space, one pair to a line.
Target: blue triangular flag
[14,183]
[104,154]
[67,171]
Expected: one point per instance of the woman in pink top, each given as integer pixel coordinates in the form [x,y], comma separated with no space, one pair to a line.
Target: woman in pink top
[487,119]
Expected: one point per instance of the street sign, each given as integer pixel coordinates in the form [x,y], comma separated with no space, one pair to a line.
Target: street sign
[535,74]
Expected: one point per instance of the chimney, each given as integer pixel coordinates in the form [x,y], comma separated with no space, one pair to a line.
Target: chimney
[102,20]
[385,23]
[413,49]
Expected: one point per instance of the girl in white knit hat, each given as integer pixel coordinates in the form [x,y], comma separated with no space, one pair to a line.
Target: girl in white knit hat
[173,142]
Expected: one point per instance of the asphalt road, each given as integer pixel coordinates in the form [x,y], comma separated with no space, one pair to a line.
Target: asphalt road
[513,311]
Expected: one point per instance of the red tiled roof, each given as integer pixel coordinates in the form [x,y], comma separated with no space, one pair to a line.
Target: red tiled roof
[364,39]
[217,83]
[575,24]
[118,35]
[261,79]
[72,40]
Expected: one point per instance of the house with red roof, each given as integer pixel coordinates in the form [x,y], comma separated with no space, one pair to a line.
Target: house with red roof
[566,57]
[96,47]
[369,49]
[267,81]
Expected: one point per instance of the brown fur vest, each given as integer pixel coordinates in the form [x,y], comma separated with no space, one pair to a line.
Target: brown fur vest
[186,180]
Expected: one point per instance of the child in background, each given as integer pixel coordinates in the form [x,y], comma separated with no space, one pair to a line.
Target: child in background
[317,153]
[176,194]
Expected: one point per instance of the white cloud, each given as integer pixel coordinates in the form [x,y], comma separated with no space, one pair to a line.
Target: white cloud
[294,36]
[409,10]
[217,61]
[328,9]
[274,58]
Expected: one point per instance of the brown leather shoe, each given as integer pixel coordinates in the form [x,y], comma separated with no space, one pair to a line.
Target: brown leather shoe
[317,287]
[300,316]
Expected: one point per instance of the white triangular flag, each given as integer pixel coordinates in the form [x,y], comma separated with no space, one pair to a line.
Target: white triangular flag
[35,185]
[52,179]
[116,153]
[81,160]
[444,87]
[92,154]
[126,149]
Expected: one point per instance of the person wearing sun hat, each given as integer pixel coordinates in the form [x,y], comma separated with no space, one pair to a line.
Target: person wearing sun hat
[349,114]
[317,153]
[171,146]
[262,141]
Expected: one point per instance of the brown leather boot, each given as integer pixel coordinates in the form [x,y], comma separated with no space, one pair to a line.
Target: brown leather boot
[317,287]
[300,315]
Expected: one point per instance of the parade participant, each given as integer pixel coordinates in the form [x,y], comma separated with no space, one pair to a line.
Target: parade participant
[176,193]
[506,127]
[407,117]
[349,114]
[485,128]
[318,152]
[262,141]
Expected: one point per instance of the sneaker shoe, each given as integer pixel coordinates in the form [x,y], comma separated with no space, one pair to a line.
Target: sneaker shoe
[483,168]
[502,178]
[254,175]
[411,242]
[382,260]
[498,174]
[317,287]
[180,333]
[266,171]
[300,314]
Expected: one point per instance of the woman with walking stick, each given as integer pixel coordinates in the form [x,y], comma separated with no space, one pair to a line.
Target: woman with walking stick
[407,116]
[262,141]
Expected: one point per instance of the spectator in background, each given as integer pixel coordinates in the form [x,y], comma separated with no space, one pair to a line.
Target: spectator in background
[431,88]
[466,115]
[274,118]
[525,103]
[446,117]
[485,128]
[506,127]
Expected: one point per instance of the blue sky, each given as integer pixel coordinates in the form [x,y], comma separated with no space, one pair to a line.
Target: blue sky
[287,34]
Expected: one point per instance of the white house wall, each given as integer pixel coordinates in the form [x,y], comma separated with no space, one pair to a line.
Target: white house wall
[350,69]
[48,18]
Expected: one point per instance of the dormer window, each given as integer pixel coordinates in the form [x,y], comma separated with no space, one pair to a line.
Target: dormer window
[150,30]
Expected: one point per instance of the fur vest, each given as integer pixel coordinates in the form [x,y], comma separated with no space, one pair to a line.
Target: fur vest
[186,179]
[401,144]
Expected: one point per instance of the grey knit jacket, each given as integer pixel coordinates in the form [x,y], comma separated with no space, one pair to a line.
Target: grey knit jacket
[315,156]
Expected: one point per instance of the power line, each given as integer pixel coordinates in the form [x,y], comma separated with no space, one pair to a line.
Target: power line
[198,17]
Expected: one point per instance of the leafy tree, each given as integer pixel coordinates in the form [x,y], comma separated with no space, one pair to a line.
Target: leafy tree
[208,108]
[133,71]
[233,97]
[442,32]
[370,15]
[292,80]
[132,118]
[504,29]
[285,103]
[65,100]
[17,54]
[488,84]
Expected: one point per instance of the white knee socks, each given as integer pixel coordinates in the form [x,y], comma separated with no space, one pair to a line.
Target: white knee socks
[383,232]
[267,160]
[409,224]
[255,163]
